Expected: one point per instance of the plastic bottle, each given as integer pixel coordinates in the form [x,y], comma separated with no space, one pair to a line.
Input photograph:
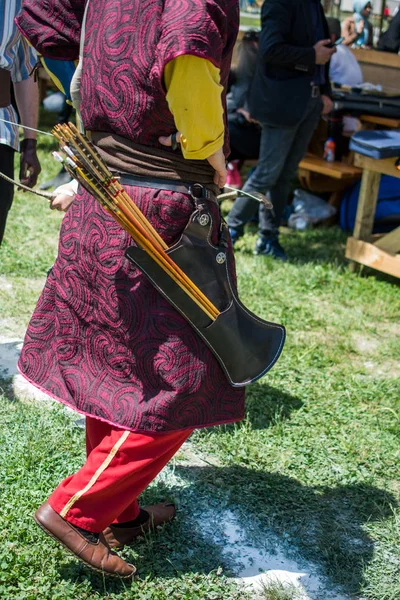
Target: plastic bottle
[329,150]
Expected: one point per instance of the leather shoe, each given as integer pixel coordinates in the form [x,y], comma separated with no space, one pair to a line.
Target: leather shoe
[97,556]
[118,537]
[269,247]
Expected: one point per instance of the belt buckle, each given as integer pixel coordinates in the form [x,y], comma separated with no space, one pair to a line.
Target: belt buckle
[197,191]
[314,91]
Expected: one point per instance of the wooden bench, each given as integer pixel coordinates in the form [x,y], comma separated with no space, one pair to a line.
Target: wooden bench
[320,176]
[383,254]
[372,121]
[336,169]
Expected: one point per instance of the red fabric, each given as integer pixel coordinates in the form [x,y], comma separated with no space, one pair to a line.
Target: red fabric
[113,495]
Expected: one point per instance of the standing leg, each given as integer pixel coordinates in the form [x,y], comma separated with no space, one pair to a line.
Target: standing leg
[6,188]
[274,147]
[270,220]
[116,471]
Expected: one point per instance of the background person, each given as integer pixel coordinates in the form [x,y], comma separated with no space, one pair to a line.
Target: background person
[357,30]
[289,93]
[244,132]
[343,68]
[17,60]
[390,39]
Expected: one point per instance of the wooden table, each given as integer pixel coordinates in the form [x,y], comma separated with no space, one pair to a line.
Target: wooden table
[371,121]
[383,254]
[320,176]
[381,68]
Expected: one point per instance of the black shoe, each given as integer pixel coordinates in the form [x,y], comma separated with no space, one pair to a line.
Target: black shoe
[269,247]
[61,178]
[234,235]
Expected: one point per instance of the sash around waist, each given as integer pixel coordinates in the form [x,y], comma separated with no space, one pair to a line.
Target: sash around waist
[125,156]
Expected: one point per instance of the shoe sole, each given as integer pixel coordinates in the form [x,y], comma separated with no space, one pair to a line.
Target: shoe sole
[79,558]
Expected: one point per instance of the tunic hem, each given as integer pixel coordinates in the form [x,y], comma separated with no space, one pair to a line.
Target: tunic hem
[142,431]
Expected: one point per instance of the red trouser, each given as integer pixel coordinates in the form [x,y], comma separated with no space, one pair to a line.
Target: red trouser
[120,464]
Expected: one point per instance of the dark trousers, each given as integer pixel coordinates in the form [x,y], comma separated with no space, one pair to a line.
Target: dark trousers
[6,188]
[281,150]
[244,141]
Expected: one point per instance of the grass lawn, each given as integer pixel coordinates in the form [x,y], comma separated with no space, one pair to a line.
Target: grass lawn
[314,465]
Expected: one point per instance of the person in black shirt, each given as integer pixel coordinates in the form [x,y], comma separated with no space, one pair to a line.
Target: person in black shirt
[289,92]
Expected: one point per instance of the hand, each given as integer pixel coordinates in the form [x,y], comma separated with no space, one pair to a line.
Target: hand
[246,115]
[166,140]
[63,199]
[216,160]
[29,163]
[327,104]
[322,52]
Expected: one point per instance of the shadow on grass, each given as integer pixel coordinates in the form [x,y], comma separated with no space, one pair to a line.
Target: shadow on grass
[265,405]
[323,525]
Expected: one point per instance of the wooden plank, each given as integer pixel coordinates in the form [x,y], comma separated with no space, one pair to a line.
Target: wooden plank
[374,57]
[336,170]
[385,166]
[390,242]
[366,206]
[384,121]
[370,256]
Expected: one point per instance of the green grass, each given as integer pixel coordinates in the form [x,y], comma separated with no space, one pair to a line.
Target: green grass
[315,463]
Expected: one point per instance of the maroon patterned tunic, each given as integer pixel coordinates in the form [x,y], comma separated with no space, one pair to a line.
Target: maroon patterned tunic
[127,45]
[102,339]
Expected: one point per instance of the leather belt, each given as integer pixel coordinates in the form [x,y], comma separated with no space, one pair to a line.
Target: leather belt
[194,189]
[5,88]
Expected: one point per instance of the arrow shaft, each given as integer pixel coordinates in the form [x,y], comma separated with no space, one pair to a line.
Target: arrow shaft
[26,127]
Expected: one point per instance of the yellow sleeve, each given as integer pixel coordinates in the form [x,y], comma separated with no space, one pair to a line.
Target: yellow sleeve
[194,98]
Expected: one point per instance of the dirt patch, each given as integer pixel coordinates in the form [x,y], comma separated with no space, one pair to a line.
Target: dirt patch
[365,344]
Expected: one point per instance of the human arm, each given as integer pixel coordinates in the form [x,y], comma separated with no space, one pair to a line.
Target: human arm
[27,98]
[327,104]
[194,98]
[349,32]
[274,47]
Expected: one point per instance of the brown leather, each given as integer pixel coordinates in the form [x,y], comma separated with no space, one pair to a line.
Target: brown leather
[118,537]
[5,88]
[97,556]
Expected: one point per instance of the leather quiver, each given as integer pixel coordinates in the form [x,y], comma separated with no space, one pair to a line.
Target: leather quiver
[245,345]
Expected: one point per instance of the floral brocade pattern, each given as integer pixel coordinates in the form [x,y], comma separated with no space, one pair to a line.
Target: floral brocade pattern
[105,342]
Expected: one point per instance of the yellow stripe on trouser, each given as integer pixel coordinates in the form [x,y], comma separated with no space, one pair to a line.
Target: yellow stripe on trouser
[95,477]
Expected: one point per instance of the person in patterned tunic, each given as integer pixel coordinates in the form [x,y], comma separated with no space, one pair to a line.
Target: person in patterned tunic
[102,340]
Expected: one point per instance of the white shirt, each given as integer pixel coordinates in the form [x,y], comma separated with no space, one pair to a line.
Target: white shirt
[16,56]
[344,68]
